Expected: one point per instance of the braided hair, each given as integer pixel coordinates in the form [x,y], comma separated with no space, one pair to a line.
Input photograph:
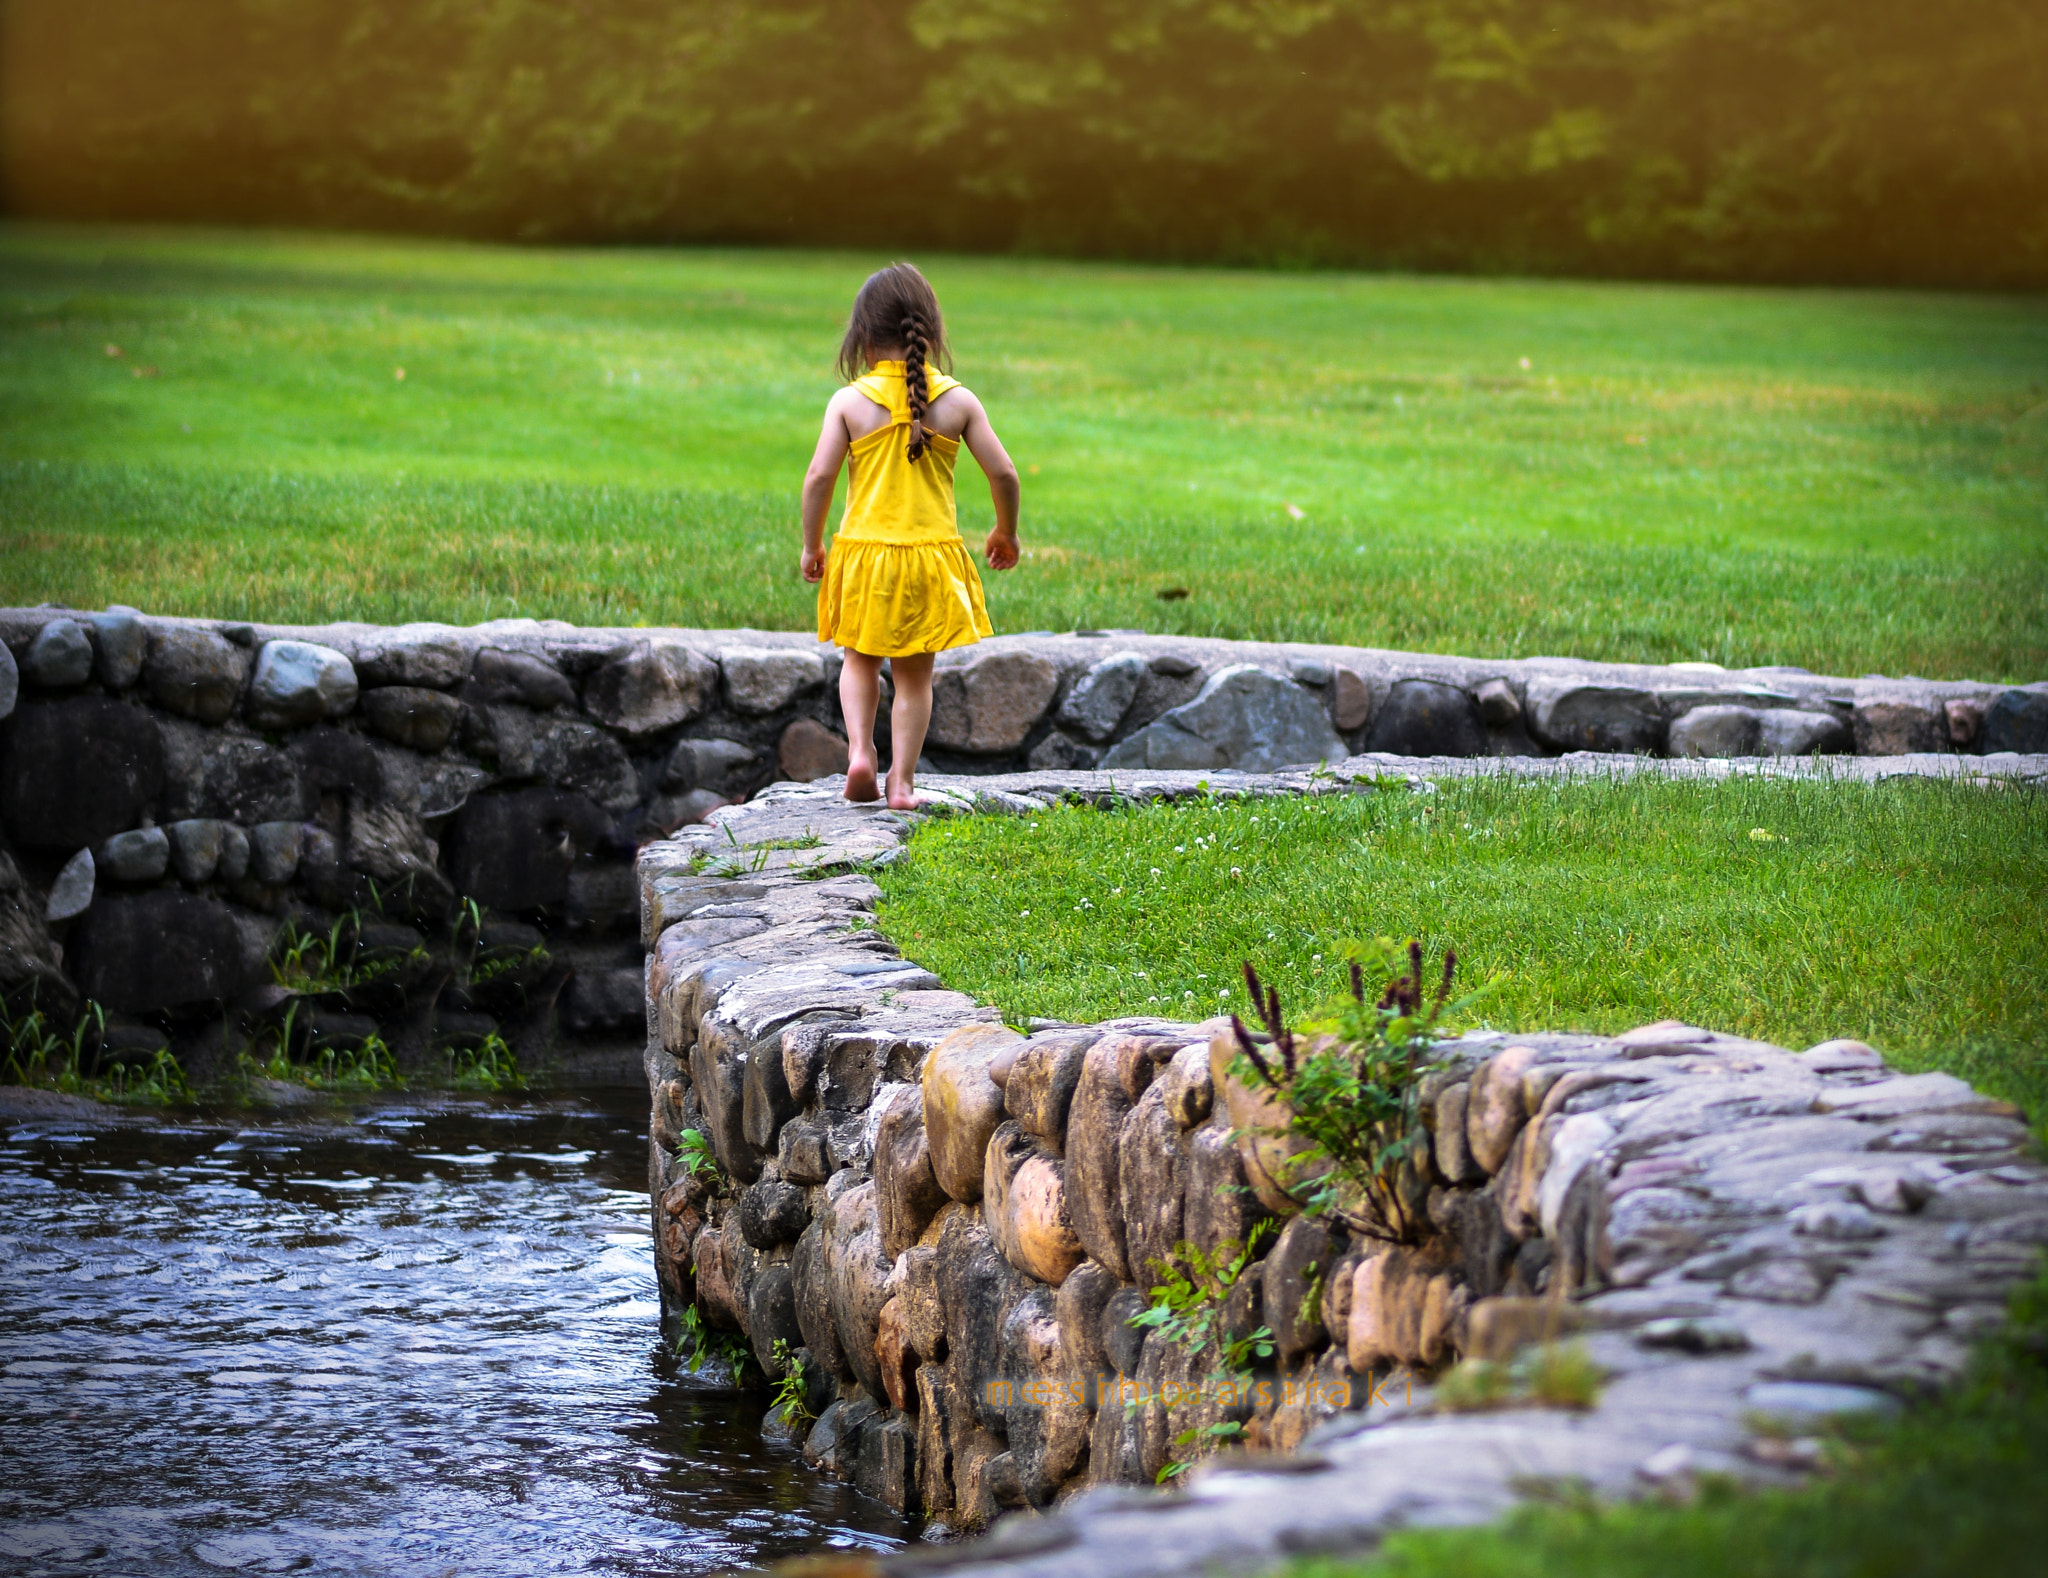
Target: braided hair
[897,306]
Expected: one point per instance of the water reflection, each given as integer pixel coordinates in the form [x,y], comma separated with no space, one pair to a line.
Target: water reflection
[418,1338]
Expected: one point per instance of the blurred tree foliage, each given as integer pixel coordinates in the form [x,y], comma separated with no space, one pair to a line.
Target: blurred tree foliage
[1896,140]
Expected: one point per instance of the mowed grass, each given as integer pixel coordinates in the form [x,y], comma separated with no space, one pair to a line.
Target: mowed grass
[1850,481]
[1912,915]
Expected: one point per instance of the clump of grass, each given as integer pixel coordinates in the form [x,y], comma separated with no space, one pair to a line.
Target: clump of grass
[1905,914]
[788,1398]
[488,1066]
[1545,1375]
[42,1056]
[362,1069]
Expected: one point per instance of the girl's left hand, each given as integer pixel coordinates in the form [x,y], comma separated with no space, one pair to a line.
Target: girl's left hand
[813,564]
[1001,550]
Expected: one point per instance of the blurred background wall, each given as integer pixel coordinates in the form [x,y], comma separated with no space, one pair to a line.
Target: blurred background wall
[1901,141]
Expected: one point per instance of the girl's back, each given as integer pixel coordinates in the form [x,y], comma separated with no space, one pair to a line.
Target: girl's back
[897,583]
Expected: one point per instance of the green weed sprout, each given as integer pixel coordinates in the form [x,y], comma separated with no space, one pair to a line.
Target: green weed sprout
[1352,1088]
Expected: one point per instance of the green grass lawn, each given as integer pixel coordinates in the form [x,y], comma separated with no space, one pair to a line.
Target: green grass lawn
[1852,481]
[1912,915]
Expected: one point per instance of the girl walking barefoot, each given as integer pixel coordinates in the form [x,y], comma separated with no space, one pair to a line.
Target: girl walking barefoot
[898,582]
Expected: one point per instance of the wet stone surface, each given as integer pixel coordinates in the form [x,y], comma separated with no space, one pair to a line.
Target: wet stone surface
[418,1336]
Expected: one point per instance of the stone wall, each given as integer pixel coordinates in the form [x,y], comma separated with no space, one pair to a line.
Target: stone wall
[948,1225]
[175,793]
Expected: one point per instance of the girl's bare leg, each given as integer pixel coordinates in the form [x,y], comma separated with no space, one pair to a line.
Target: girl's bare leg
[860,691]
[908,720]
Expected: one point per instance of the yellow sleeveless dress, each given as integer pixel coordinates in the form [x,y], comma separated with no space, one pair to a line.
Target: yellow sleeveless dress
[898,579]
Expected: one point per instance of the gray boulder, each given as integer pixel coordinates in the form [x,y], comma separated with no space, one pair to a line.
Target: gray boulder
[234,777]
[1423,717]
[583,758]
[1899,725]
[1786,731]
[79,770]
[121,642]
[655,685]
[1350,700]
[299,682]
[1243,718]
[322,871]
[141,952]
[515,676]
[60,656]
[71,893]
[1499,706]
[767,679]
[2017,721]
[513,851]
[1099,700]
[770,1214]
[392,846]
[606,1000]
[722,766]
[1061,753]
[233,864]
[141,855]
[29,955]
[412,716]
[421,655]
[195,847]
[990,702]
[1571,715]
[330,758]
[194,673]
[274,849]
[1717,731]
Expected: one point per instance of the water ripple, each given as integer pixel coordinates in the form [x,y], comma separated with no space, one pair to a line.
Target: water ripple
[413,1339]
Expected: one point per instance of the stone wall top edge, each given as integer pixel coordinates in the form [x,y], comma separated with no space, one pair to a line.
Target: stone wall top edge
[1074,650]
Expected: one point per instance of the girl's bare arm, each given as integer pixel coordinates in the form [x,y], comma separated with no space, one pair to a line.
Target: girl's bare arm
[1004,489]
[819,482]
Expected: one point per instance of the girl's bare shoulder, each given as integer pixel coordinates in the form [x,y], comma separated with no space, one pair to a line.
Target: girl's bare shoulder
[856,413]
[953,410]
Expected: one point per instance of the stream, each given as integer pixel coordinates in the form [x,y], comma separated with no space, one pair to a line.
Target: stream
[417,1335]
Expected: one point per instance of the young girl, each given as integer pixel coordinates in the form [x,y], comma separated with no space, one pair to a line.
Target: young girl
[898,583]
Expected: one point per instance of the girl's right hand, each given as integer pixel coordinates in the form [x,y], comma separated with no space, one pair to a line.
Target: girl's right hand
[812,564]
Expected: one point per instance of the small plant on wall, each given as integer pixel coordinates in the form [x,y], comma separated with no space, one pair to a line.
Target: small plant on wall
[1349,1085]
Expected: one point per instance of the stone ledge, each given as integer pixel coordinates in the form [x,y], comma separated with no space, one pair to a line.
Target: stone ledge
[1736,1232]
[1089,698]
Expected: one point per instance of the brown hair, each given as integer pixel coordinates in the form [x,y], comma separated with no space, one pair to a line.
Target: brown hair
[897,306]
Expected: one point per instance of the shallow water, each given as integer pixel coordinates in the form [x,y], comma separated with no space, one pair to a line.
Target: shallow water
[414,1337]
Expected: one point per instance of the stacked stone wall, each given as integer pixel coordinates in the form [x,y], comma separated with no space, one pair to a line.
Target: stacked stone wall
[176,794]
[949,1225]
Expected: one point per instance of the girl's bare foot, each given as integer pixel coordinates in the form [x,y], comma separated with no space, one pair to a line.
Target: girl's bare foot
[860,779]
[902,796]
